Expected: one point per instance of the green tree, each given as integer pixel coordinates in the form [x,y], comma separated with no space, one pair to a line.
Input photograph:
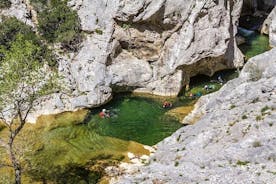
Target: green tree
[4,4]
[11,27]
[24,79]
[60,24]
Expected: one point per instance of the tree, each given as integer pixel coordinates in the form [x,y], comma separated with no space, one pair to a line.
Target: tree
[60,24]
[4,4]
[24,79]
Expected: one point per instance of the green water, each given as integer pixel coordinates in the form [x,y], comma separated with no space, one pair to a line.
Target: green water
[138,119]
[255,45]
[69,150]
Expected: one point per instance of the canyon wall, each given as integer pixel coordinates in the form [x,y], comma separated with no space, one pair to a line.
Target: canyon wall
[269,27]
[233,140]
[148,46]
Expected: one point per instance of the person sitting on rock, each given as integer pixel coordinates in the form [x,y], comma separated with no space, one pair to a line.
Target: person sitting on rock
[167,104]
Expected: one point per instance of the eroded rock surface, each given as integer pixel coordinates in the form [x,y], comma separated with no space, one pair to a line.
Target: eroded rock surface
[147,46]
[233,142]
[269,27]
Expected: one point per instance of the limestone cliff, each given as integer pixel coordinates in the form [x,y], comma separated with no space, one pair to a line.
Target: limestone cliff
[151,46]
[233,141]
[269,27]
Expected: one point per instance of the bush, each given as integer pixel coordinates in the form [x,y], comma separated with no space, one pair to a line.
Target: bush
[10,28]
[60,24]
[244,117]
[5,4]
[39,5]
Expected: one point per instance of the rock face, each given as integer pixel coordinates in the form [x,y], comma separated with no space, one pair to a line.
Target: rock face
[233,142]
[269,27]
[147,46]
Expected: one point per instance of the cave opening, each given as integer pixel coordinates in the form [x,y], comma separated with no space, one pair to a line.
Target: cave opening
[199,82]
[254,13]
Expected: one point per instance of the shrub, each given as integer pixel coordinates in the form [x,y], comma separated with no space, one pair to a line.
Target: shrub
[10,28]
[258,118]
[60,24]
[5,4]
[244,117]
[264,109]
[98,31]
[242,162]
[256,144]
[39,5]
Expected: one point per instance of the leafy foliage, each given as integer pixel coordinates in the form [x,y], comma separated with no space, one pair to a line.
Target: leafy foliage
[24,77]
[4,4]
[23,80]
[39,5]
[11,27]
[59,24]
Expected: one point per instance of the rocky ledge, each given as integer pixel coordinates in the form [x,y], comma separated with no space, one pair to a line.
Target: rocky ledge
[234,140]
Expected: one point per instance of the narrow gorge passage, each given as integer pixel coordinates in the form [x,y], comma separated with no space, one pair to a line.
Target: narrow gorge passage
[251,22]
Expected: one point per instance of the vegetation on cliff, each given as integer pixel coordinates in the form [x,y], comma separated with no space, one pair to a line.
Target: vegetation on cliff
[25,78]
[59,24]
[4,4]
[10,28]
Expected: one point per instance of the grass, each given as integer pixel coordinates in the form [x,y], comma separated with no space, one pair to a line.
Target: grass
[264,109]
[256,144]
[98,31]
[259,118]
[242,163]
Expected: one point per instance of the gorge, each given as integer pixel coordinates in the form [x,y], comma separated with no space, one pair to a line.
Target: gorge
[156,49]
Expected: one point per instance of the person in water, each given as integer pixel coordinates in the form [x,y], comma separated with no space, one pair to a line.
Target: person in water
[167,104]
[104,114]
